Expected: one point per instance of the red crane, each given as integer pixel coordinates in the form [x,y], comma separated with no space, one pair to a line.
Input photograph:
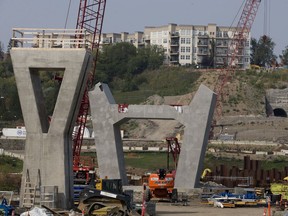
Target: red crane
[90,18]
[236,48]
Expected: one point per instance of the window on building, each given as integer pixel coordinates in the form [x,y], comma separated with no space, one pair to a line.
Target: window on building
[188,49]
[182,57]
[188,57]
[165,40]
[188,31]
[219,34]
[182,41]
[182,49]
[225,33]
[188,40]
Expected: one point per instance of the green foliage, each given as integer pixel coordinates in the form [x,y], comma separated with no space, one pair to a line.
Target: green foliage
[280,162]
[9,169]
[262,51]
[1,51]
[284,56]
[10,164]
[148,161]
[166,81]
[10,104]
[119,63]
[50,88]
[170,80]
[211,161]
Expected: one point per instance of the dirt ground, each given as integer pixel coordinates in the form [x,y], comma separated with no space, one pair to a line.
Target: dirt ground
[197,209]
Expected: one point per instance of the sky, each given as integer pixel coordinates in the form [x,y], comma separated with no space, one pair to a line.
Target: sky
[134,15]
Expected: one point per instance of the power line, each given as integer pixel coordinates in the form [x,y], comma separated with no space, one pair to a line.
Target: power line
[67,15]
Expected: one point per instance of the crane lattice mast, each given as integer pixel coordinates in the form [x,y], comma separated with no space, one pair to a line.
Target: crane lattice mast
[90,18]
[242,30]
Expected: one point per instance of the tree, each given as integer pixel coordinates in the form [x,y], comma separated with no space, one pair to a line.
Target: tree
[6,67]
[122,61]
[1,52]
[262,51]
[254,46]
[284,56]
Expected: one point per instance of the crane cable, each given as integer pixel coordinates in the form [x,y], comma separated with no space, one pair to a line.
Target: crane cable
[266,27]
[240,9]
[67,15]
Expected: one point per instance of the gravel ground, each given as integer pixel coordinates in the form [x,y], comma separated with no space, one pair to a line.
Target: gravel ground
[198,209]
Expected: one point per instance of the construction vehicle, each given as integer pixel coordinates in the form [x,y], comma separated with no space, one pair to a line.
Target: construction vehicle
[106,197]
[161,184]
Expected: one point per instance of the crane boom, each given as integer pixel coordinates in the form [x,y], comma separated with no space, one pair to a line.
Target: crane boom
[242,30]
[90,17]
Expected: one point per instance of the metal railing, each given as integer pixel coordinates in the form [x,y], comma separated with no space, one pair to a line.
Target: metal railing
[51,38]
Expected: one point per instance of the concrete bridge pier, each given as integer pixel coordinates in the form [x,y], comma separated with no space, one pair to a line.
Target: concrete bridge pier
[48,147]
[107,118]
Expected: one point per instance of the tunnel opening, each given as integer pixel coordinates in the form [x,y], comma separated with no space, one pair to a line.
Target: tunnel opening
[279,112]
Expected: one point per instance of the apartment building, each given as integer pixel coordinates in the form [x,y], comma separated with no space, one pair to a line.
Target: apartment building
[205,46]
[137,38]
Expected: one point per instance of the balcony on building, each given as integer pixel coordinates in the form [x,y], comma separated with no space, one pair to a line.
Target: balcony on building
[174,61]
[221,43]
[174,34]
[107,41]
[221,53]
[174,52]
[174,43]
[200,35]
[202,43]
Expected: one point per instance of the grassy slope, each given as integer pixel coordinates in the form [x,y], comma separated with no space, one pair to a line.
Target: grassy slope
[10,165]
[242,93]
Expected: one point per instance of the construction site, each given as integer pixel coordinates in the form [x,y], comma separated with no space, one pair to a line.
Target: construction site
[57,181]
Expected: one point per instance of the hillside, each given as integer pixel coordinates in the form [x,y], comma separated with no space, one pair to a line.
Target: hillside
[243,108]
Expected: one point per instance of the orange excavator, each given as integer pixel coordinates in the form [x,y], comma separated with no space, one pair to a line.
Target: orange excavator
[161,184]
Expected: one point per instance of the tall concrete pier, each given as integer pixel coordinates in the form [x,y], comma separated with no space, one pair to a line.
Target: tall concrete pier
[48,148]
[196,118]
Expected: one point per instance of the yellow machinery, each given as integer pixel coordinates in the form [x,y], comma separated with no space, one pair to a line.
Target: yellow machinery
[106,198]
[280,188]
[205,173]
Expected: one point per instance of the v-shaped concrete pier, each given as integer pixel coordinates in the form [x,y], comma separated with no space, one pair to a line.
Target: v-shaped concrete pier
[48,148]
[196,118]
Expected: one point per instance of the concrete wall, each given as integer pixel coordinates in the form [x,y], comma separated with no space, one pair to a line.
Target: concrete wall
[48,147]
